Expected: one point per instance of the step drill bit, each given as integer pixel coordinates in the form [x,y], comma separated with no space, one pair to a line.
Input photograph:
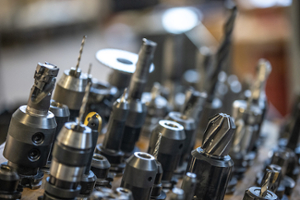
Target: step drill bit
[70,87]
[137,109]
[157,192]
[157,108]
[211,162]
[185,119]
[111,146]
[62,115]
[213,104]
[94,122]
[170,151]
[263,192]
[32,129]
[70,156]
[139,175]
[189,185]
[100,167]
[9,181]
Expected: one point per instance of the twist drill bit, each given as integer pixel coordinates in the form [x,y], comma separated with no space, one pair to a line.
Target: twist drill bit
[156,149]
[137,108]
[275,177]
[83,106]
[70,88]
[157,193]
[32,129]
[222,53]
[80,52]
[211,162]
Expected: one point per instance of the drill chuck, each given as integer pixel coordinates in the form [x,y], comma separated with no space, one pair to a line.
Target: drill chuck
[139,175]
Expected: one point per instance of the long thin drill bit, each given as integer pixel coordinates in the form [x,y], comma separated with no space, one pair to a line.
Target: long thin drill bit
[156,149]
[222,53]
[80,52]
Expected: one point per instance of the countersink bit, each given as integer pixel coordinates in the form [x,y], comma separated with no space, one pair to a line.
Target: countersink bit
[137,108]
[188,185]
[32,129]
[111,146]
[211,162]
[157,193]
[213,104]
[139,175]
[170,151]
[70,88]
[9,180]
[94,122]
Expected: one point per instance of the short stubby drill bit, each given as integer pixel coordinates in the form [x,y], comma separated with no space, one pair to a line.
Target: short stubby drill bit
[139,175]
[171,146]
[111,146]
[70,88]
[32,129]
[137,108]
[211,162]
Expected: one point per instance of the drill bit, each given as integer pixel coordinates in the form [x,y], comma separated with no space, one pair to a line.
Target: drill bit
[80,52]
[156,149]
[84,102]
[222,53]
[275,177]
[265,183]
[218,135]
[140,76]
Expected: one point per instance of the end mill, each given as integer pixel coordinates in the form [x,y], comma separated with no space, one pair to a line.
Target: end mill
[71,86]
[32,129]
[139,175]
[137,109]
[111,146]
[211,162]
[171,146]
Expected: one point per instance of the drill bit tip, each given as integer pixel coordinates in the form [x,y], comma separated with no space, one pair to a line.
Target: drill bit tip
[218,135]
[80,52]
[149,42]
[124,95]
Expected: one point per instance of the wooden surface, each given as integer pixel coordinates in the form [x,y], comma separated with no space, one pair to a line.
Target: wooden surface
[238,194]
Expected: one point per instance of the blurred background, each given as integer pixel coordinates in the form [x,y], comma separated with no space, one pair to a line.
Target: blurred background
[34,31]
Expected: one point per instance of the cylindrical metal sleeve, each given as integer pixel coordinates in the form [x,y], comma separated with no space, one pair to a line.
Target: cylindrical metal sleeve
[29,139]
[130,137]
[139,175]
[253,194]
[213,175]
